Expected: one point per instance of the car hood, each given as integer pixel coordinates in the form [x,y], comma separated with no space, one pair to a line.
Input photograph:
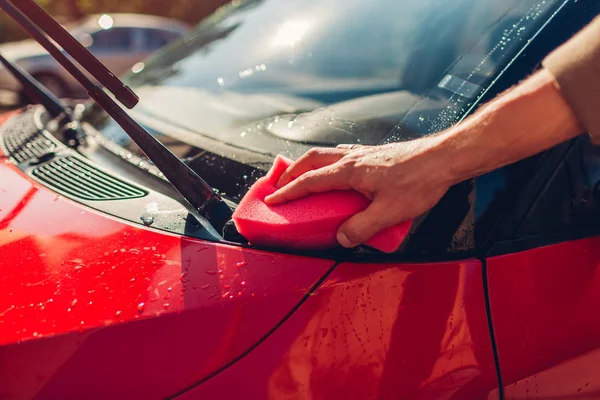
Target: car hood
[81,291]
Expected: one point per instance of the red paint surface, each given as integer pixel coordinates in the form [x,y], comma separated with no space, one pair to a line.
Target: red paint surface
[108,309]
[387,331]
[576,378]
[545,307]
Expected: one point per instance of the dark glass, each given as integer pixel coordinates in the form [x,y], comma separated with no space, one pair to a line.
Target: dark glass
[266,77]
[154,39]
[111,39]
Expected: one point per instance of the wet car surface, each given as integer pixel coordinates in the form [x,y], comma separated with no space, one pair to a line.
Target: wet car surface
[115,288]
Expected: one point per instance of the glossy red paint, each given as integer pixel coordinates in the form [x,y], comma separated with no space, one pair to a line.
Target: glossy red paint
[386,331]
[544,305]
[91,304]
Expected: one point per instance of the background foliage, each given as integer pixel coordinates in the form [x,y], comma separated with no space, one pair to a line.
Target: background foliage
[190,11]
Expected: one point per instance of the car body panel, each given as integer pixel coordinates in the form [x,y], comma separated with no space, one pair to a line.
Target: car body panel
[136,312]
[88,296]
[385,331]
[544,304]
[575,378]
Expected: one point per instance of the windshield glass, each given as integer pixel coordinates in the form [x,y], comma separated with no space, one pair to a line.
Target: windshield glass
[266,77]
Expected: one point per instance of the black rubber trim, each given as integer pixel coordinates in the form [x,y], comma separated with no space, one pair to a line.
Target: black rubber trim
[488,310]
[309,293]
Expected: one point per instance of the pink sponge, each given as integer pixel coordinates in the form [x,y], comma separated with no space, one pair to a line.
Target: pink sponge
[308,223]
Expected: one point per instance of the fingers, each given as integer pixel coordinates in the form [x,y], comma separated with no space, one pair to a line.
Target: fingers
[364,225]
[313,159]
[321,180]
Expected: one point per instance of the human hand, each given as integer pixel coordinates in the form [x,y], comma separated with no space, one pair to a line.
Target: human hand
[403,180]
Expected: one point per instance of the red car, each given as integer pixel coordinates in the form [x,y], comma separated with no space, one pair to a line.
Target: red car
[113,286]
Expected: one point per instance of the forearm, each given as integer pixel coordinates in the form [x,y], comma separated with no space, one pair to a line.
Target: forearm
[525,120]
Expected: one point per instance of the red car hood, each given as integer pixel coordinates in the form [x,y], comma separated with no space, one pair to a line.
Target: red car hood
[91,302]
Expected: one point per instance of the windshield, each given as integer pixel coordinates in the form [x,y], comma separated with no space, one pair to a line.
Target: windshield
[266,77]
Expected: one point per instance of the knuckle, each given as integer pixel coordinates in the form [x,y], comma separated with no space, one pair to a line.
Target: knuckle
[314,152]
[348,162]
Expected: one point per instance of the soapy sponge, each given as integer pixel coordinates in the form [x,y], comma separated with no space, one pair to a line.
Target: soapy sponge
[309,223]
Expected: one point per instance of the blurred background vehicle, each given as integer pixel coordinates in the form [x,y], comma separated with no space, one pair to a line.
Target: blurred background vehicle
[118,40]
[78,15]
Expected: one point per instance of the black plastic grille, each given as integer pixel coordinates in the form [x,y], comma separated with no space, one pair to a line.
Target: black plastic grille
[23,141]
[76,178]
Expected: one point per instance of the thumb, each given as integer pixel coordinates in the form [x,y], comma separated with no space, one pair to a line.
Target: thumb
[364,225]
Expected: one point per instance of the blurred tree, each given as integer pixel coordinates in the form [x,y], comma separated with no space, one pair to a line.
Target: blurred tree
[73,12]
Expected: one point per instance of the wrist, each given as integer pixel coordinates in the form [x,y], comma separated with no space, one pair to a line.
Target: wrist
[453,163]
[523,121]
[456,156]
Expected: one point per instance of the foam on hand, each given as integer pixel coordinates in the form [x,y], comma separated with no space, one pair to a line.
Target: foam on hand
[309,223]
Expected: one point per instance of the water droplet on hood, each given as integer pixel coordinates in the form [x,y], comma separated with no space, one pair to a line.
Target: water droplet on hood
[147,220]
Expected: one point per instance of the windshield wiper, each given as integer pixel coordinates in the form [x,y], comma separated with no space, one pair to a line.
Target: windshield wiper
[192,187]
[38,92]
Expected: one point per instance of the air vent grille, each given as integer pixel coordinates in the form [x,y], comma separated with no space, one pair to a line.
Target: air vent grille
[23,141]
[74,177]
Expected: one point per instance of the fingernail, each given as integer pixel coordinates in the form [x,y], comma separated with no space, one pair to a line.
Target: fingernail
[343,240]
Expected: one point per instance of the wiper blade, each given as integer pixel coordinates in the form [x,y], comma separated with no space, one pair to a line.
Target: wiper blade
[38,92]
[191,186]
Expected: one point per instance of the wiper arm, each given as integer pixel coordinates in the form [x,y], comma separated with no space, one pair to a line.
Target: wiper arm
[38,92]
[193,188]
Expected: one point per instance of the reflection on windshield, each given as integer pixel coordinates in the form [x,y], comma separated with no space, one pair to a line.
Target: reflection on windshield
[329,53]
[279,76]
